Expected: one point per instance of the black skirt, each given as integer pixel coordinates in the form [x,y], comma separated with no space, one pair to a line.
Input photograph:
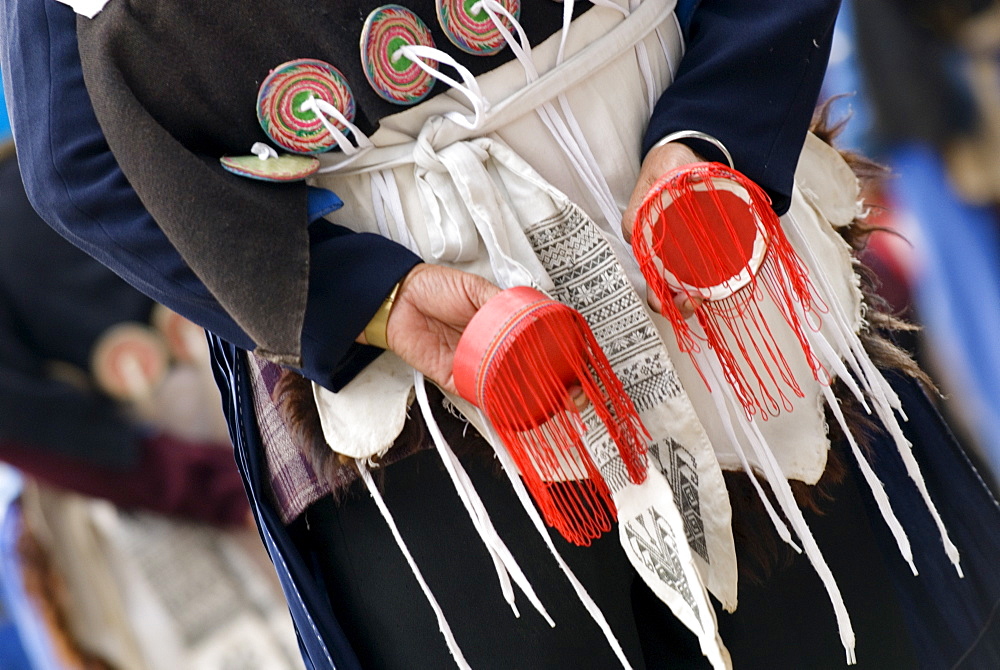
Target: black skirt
[935,620]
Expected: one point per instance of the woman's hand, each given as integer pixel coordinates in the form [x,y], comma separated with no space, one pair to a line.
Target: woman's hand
[432,308]
[659,161]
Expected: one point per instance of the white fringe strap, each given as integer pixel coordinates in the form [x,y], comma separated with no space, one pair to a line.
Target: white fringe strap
[510,469]
[449,637]
[779,525]
[505,563]
[877,394]
[728,403]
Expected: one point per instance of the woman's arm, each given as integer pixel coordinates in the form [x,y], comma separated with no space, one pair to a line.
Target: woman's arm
[750,77]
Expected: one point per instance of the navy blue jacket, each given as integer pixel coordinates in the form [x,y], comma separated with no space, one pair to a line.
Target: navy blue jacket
[750,77]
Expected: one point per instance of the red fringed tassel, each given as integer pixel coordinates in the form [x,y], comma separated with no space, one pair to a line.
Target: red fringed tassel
[706,231]
[516,361]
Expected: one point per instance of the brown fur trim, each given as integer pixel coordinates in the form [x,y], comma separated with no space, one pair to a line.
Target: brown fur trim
[880,322]
[826,129]
[293,396]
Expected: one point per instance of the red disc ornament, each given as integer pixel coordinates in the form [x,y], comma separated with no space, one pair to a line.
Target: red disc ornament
[708,232]
[517,361]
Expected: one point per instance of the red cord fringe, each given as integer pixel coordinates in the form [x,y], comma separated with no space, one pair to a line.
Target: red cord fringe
[523,391]
[688,227]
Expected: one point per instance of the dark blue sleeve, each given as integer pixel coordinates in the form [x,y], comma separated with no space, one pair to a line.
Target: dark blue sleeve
[70,173]
[684,11]
[750,76]
[77,186]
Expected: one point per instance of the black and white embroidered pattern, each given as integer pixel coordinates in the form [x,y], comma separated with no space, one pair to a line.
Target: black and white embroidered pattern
[678,465]
[587,277]
[651,539]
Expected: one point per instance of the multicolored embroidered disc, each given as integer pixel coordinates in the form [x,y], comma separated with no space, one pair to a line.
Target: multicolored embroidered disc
[279,104]
[474,31]
[286,167]
[394,77]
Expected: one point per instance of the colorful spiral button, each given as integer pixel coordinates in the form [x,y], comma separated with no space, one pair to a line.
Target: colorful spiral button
[398,80]
[279,104]
[474,31]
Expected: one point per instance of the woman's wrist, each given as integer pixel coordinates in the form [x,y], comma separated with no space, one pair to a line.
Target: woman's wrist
[698,136]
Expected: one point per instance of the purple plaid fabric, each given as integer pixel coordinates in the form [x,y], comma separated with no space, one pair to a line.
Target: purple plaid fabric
[294,484]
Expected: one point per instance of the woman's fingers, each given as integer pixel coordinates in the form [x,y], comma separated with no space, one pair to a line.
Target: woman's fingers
[659,161]
[686,304]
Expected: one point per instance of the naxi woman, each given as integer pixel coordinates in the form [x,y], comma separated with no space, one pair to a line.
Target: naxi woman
[516,170]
